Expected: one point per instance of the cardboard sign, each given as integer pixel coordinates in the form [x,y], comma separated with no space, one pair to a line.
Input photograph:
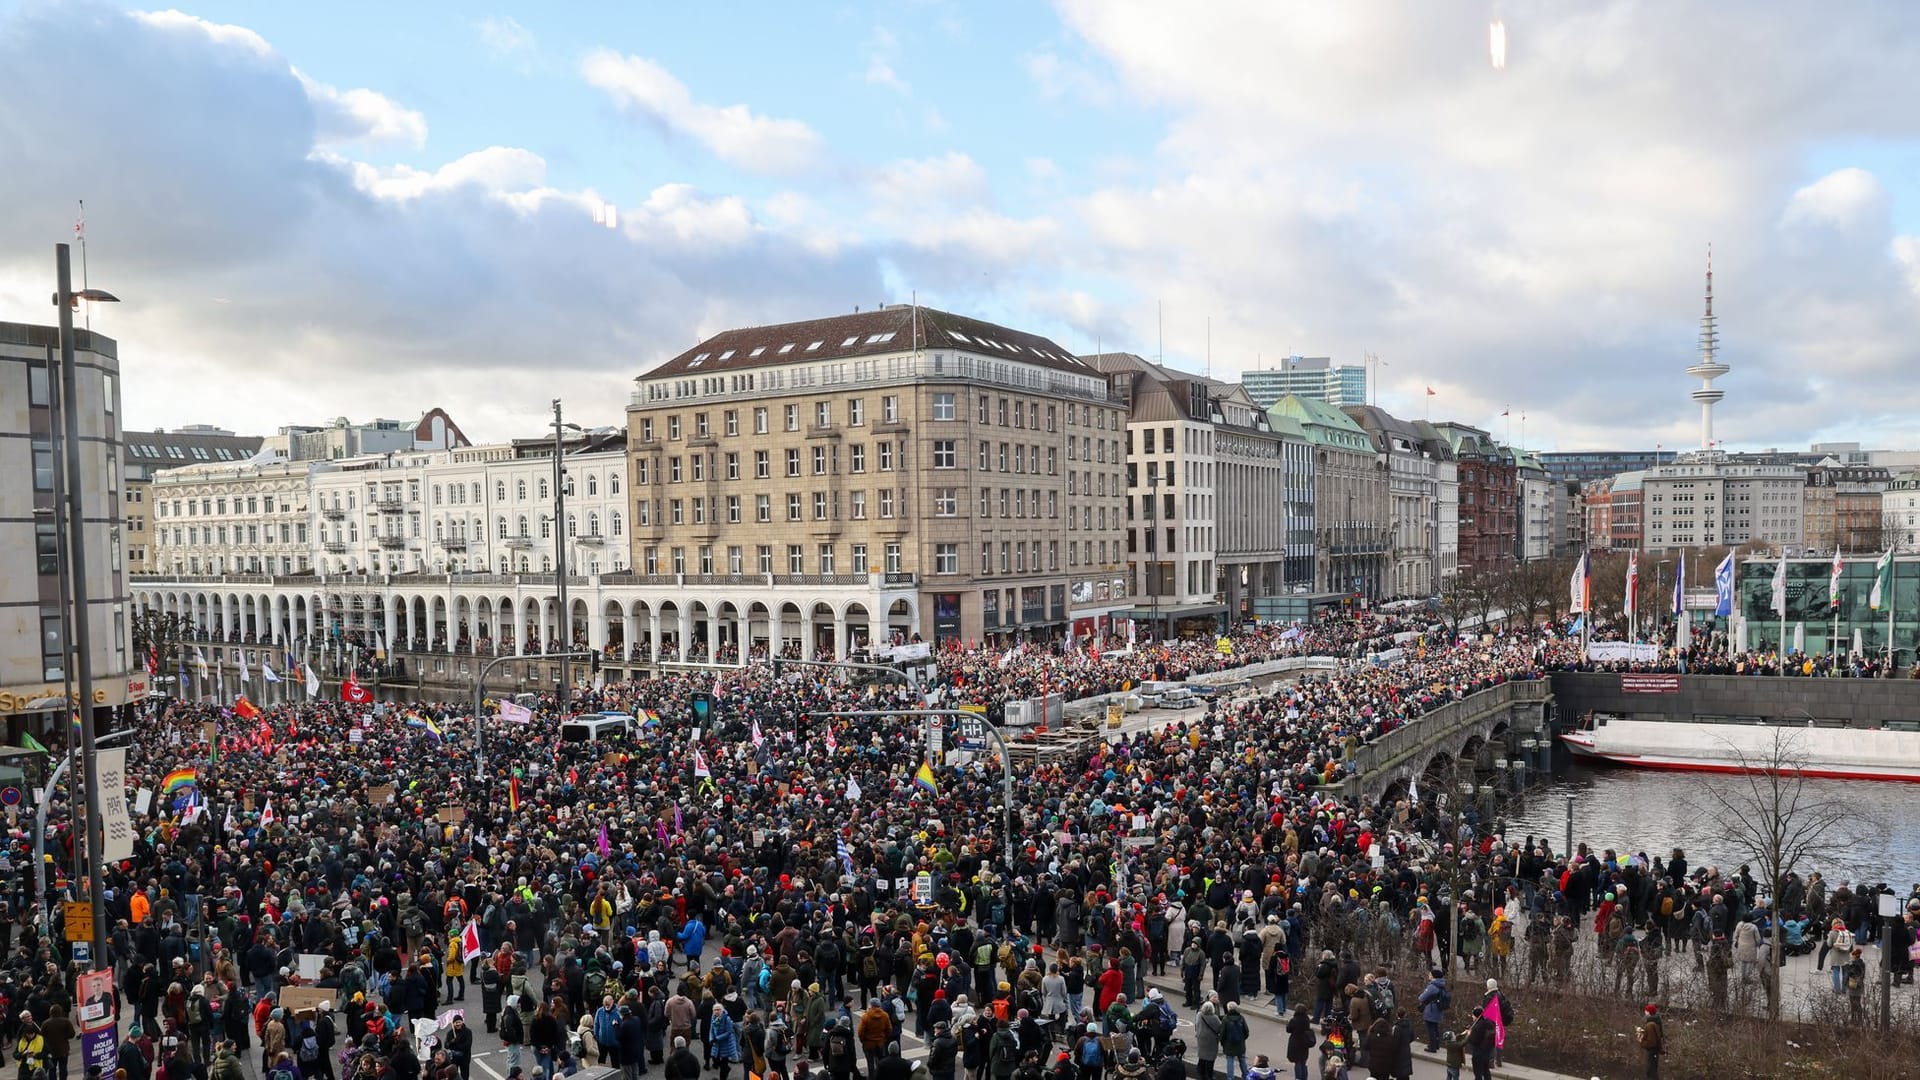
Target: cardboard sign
[305,1001]
[380,794]
[452,815]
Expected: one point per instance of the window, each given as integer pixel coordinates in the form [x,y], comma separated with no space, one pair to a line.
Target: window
[986,456]
[733,421]
[734,561]
[733,509]
[613,523]
[893,557]
[793,506]
[946,558]
[986,502]
[819,461]
[889,409]
[857,457]
[759,421]
[765,553]
[859,558]
[886,502]
[796,559]
[646,429]
[985,405]
[613,483]
[943,406]
[673,427]
[944,503]
[793,461]
[886,456]
[699,511]
[546,527]
[700,423]
[858,501]
[46,548]
[823,414]
[819,506]
[53,651]
[733,466]
[826,558]
[643,512]
[793,418]
[641,470]
[699,462]
[43,465]
[943,454]
[1003,457]
[679,560]
[706,559]
[856,412]
[676,512]
[39,388]
[760,467]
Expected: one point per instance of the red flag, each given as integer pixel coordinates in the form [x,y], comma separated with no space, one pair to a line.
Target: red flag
[513,795]
[353,693]
[1430,391]
[470,941]
[245,709]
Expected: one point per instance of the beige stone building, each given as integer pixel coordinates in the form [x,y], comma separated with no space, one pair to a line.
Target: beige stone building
[881,475]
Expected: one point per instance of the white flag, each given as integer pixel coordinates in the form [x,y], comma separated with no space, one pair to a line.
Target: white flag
[266,814]
[515,714]
[243,666]
[266,672]
[853,790]
[1780,589]
[229,817]
[758,739]
[700,763]
[313,682]
[1882,577]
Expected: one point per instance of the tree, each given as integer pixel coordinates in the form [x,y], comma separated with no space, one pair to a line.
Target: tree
[1774,817]
[157,630]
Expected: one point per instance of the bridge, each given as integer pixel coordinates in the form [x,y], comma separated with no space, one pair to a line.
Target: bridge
[1487,731]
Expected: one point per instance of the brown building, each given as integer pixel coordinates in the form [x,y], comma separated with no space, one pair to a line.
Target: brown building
[1489,499]
[1840,507]
[878,476]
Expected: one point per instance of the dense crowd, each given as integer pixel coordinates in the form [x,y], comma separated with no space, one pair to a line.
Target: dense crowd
[784,891]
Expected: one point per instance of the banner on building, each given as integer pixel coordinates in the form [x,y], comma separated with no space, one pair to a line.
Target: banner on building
[115,825]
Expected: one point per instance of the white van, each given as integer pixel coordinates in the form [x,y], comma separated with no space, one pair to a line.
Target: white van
[596,727]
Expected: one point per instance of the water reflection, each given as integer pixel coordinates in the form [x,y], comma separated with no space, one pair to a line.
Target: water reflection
[1633,810]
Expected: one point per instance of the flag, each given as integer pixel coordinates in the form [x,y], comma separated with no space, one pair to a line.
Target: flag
[266,814]
[853,790]
[244,709]
[153,662]
[1633,585]
[700,764]
[353,693]
[1882,581]
[647,717]
[313,682]
[1430,391]
[1506,412]
[1579,587]
[229,822]
[1723,587]
[924,779]
[470,941]
[846,853]
[200,661]
[833,747]
[1833,581]
[267,673]
[177,780]
[758,739]
[28,742]
[513,795]
[1780,588]
[244,675]
[426,724]
[1680,586]
[603,843]
[515,714]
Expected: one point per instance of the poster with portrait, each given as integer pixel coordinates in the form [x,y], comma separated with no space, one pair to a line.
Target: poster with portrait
[96,1000]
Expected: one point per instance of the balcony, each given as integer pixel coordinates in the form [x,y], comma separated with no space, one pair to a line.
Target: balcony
[519,543]
[334,547]
[590,540]
[388,506]
[901,579]
[823,431]
[333,513]
[393,542]
[454,544]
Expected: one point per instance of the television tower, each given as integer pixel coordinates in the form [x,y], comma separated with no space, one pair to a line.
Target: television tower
[1708,367]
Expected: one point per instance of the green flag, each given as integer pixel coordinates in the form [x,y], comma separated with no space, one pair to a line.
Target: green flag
[1882,579]
[28,742]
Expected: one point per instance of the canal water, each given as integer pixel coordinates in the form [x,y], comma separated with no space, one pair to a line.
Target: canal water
[1635,810]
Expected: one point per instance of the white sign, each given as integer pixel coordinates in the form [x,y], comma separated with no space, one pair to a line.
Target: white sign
[142,800]
[1606,652]
[114,823]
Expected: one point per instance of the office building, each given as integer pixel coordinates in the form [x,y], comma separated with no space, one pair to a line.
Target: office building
[1585,466]
[1841,506]
[1199,453]
[435,430]
[886,474]
[36,658]
[1351,501]
[1489,499]
[1315,377]
[1710,500]
[145,453]
[1414,466]
[1535,539]
[1900,513]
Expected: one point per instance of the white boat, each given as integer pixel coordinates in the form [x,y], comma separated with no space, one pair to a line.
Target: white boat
[1820,752]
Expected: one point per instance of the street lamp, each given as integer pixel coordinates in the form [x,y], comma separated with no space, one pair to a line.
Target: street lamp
[560,428]
[65,299]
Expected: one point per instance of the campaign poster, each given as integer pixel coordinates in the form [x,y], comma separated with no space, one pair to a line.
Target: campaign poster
[96,1001]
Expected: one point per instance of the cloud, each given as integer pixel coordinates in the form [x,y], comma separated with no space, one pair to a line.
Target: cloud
[953,177]
[504,36]
[362,115]
[881,48]
[269,277]
[1844,199]
[733,133]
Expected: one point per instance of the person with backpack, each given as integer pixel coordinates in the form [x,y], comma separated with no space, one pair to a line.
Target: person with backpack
[1651,1036]
[226,1064]
[1233,1041]
[1088,1054]
[1435,999]
[282,1068]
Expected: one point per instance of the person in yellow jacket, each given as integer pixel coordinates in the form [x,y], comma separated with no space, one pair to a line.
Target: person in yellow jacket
[601,911]
[456,967]
[29,1048]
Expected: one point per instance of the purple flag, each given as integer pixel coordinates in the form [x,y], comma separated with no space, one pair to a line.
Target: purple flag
[606,847]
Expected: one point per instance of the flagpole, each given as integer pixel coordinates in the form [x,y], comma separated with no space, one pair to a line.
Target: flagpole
[1783,614]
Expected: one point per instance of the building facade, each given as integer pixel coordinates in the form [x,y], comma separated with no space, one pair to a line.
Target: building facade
[1840,507]
[1586,466]
[1534,486]
[36,651]
[1414,465]
[1710,499]
[1489,499]
[1316,377]
[1900,513]
[149,452]
[1351,500]
[343,438]
[952,479]
[232,517]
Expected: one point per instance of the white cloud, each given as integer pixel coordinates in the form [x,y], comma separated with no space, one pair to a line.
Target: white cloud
[882,46]
[220,33]
[1843,199]
[362,115]
[732,133]
[915,185]
[504,36]
[497,170]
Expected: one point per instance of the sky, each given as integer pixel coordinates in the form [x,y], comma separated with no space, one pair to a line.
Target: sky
[317,210]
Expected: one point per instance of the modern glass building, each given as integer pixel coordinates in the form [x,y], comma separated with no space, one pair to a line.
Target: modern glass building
[1813,623]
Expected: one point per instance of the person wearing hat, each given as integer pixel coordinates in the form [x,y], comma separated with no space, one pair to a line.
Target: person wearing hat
[1651,1035]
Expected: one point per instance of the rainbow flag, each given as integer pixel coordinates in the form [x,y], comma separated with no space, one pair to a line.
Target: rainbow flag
[923,779]
[426,724]
[178,779]
[513,795]
[647,717]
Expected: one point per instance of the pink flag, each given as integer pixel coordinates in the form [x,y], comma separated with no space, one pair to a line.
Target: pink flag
[832,746]
[605,845]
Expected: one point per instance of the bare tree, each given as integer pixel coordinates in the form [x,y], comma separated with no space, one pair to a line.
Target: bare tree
[1774,816]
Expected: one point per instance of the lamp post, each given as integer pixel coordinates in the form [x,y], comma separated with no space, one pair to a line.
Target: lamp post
[1569,797]
[65,299]
[560,428]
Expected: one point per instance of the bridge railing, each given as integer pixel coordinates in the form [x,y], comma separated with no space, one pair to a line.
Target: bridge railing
[1416,739]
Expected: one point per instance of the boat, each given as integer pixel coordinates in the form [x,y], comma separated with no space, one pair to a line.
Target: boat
[1826,753]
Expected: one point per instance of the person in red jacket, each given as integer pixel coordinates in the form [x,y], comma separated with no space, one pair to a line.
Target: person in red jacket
[1112,982]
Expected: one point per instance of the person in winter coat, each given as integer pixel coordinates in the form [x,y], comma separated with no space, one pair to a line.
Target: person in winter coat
[1434,999]
[226,1064]
[1208,1026]
[1402,1046]
[631,1035]
[1378,1049]
[682,1064]
[1746,949]
[723,1040]
[458,1043]
[1299,1040]
[234,1015]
